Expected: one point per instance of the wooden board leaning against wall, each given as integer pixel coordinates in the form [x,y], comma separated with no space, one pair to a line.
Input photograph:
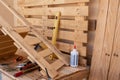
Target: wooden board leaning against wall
[73,23]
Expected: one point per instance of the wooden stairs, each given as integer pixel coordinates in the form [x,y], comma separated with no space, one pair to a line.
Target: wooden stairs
[20,41]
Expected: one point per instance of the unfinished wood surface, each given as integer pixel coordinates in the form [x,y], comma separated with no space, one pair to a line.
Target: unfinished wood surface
[64,24]
[35,10]
[36,32]
[105,54]
[69,35]
[114,72]
[31,40]
[48,2]
[65,11]
[98,44]
[109,36]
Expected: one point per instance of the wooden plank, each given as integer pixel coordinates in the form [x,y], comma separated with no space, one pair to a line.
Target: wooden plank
[109,37]
[65,11]
[5,44]
[67,35]
[51,71]
[5,53]
[45,53]
[65,24]
[50,2]
[97,71]
[31,40]
[57,64]
[68,47]
[114,72]
[4,49]
[21,29]
[4,38]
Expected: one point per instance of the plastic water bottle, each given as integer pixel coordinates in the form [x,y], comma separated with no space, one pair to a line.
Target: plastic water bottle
[74,57]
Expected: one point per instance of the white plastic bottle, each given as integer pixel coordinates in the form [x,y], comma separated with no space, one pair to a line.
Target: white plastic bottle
[74,57]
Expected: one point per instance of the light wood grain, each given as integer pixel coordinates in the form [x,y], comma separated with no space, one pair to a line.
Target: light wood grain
[51,2]
[65,24]
[114,72]
[95,71]
[65,11]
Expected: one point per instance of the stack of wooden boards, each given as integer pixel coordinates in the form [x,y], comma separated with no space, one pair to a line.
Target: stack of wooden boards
[105,62]
[73,23]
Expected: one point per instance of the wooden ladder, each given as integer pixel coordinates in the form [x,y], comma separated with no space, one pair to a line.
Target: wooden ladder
[38,57]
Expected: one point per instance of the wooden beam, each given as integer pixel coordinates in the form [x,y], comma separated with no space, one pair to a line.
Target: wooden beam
[65,11]
[51,2]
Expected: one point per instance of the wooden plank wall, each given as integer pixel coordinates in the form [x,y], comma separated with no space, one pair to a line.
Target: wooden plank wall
[73,24]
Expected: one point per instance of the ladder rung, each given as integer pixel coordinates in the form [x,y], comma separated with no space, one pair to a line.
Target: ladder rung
[45,53]
[31,40]
[21,29]
[57,64]
[52,72]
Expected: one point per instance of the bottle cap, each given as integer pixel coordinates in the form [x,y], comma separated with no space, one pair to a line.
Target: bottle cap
[74,46]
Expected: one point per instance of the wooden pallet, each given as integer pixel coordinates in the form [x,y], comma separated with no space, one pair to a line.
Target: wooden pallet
[73,23]
[38,57]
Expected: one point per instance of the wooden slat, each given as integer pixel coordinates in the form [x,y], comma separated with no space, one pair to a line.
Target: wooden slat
[67,35]
[5,53]
[50,2]
[57,64]
[21,29]
[4,38]
[4,49]
[45,53]
[69,47]
[65,11]
[5,44]
[31,40]
[65,24]
[51,70]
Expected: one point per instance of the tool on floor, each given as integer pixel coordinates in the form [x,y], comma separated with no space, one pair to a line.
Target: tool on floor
[55,32]
[74,57]
[26,71]
[28,66]
[48,76]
